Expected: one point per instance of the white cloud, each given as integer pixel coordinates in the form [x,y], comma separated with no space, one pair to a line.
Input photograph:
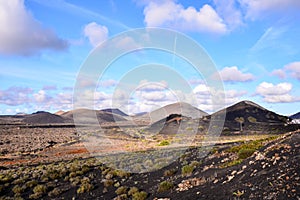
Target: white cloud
[294,69]
[173,15]
[279,72]
[258,8]
[233,74]
[14,96]
[233,96]
[96,33]
[147,86]
[204,97]
[41,96]
[269,89]
[21,34]
[201,89]
[291,69]
[279,93]
[230,13]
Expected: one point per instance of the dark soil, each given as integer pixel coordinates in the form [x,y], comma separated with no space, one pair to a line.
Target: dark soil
[272,172]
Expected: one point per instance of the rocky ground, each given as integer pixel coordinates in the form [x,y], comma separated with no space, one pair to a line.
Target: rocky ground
[259,169]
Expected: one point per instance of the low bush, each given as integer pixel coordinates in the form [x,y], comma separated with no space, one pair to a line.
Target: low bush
[132,190]
[165,186]
[31,183]
[85,187]
[55,192]
[121,190]
[170,172]
[187,170]
[139,195]
[164,143]
[245,153]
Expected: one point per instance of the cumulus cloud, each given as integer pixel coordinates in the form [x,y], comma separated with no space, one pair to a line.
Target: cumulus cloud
[256,9]
[21,34]
[147,86]
[41,96]
[233,96]
[174,15]
[201,89]
[291,69]
[15,96]
[279,93]
[204,97]
[233,74]
[279,72]
[96,33]
[294,69]
[231,15]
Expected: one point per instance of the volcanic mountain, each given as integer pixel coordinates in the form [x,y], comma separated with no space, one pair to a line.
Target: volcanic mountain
[247,115]
[42,117]
[295,116]
[60,112]
[115,111]
[180,108]
[84,116]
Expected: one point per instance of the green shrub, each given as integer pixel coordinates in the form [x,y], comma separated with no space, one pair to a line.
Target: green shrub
[31,184]
[165,186]
[139,195]
[17,189]
[187,170]
[170,172]
[195,163]
[121,197]
[164,143]
[245,153]
[231,163]
[121,173]
[40,189]
[85,187]
[4,178]
[55,192]
[132,190]
[121,190]
[252,119]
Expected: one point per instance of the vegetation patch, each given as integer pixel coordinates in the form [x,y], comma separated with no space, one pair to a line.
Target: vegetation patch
[139,195]
[121,190]
[164,143]
[165,186]
[245,153]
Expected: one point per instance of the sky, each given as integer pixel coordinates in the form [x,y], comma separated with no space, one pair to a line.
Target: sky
[254,45]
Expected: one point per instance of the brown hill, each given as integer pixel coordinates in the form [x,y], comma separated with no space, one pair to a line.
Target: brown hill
[115,111]
[42,117]
[88,116]
[60,112]
[180,108]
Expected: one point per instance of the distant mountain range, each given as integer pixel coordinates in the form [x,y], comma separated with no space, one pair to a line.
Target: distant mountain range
[295,116]
[245,115]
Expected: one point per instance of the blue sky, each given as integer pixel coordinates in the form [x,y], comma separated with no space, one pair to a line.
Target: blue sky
[253,43]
